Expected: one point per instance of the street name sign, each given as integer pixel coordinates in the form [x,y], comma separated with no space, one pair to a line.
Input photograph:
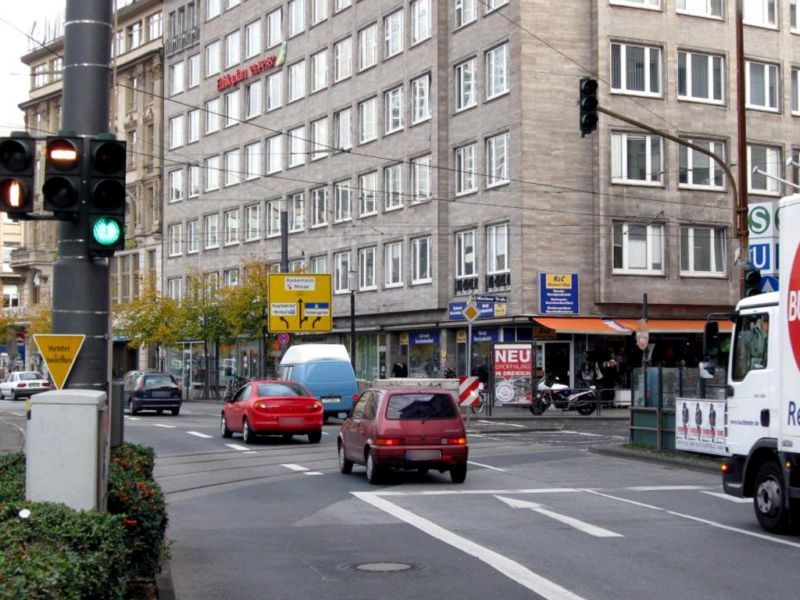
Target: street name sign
[300,302]
[59,353]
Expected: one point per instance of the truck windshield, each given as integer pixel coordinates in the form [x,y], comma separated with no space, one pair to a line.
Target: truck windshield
[750,344]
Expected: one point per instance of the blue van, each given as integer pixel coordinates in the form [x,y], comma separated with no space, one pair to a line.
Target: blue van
[326,371]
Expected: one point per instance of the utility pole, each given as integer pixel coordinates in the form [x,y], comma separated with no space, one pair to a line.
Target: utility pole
[81,295]
[740,216]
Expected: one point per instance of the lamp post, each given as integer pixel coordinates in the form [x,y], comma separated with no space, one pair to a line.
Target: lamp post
[352,283]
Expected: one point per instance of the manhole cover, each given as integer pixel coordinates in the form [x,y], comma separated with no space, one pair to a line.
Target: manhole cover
[382,567]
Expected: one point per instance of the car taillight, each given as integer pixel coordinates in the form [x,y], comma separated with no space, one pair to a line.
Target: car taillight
[261,405]
[46,384]
[22,384]
[387,441]
[459,441]
[355,397]
[316,406]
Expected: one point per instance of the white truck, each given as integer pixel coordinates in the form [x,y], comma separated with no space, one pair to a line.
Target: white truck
[762,416]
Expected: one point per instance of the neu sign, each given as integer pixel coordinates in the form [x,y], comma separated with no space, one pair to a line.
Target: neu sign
[239,75]
[793,306]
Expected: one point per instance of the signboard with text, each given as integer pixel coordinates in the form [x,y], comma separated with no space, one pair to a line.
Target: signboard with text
[513,369]
[486,310]
[559,294]
[700,426]
[300,302]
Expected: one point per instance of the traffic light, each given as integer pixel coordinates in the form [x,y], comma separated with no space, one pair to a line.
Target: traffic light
[588,105]
[17,168]
[106,198]
[63,172]
[752,280]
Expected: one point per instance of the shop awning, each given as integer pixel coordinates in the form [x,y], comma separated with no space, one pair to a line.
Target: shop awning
[587,325]
[674,325]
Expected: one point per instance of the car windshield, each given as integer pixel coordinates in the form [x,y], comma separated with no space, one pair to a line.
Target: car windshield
[158,381]
[280,389]
[420,406]
[29,376]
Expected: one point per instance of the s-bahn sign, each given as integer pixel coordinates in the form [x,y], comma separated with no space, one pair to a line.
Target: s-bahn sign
[265,64]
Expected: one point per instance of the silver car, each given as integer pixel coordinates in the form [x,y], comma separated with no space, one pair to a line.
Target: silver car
[23,384]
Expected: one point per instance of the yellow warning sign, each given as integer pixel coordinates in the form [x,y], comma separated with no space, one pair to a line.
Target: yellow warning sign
[59,353]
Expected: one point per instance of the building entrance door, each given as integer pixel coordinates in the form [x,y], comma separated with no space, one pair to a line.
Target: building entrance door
[556,358]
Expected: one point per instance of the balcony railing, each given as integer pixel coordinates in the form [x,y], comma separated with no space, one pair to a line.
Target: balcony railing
[466,285]
[497,281]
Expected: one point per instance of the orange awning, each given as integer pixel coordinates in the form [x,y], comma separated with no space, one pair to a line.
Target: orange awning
[587,325]
[674,325]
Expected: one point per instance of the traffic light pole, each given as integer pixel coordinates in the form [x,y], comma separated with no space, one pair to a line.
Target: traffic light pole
[81,295]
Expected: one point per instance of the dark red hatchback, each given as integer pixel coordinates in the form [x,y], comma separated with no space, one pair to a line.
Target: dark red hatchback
[404,428]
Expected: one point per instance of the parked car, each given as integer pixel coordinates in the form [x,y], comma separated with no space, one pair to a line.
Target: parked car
[152,390]
[404,428]
[23,384]
[272,407]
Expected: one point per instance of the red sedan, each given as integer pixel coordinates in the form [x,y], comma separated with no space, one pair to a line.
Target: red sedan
[272,408]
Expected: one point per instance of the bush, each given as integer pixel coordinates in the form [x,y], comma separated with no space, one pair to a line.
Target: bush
[12,478]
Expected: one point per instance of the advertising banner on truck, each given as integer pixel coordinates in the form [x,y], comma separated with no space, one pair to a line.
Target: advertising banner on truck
[789,308]
[513,367]
[700,426]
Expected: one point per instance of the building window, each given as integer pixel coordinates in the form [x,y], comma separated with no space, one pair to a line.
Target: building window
[795,92]
[698,170]
[194,181]
[421,260]
[297,146]
[393,105]
[764,165]
[297,17]
[318,264]
[174,288]
[232,104]
[420,21]
[367,114]
[319,138]
[340,5]
[154,26]
[639,3]
[176,78]
[367,185]
[319,207]
[319,11]
[230,277]
[273,218]
[343,201]
[393,34]
[176,185]
[229,4]
[342,129]
[701,8]
[231,223]
[232,168]
[368,47]
[194,70]
[497,249]
[233,43]
[174,237]
[135,38]
[466,265]
[274,28]
[319,71]
[252,159]
[252,39]
[252,99]
[212,116]
[636,158]
[297,81]
[192,237]
[497,160]
[274,91]
[421,97]
[497,72]
[421,179]
[702,250]
[465,169]
[393,187]
[700,77]
[466,92]
[341,272]
[638,248]
[794,19]
[636,69]
[194,125]
[366,268]
[465,12]
[252,219]
[211,230]
[762,13]
[297,212]
[212,58]
[176,132]
[274,154]
[393,264]
[495,4]
[761,82]
[212,173]
[342,59]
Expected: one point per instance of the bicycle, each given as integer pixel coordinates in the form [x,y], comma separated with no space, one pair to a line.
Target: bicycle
[479,407]
[234,385]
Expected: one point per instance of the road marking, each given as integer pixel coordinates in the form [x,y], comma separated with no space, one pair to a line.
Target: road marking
[727,497]
[293,467]
[584,433]
[504,565]
[133,418]
[198,434]
[500,423]
[325,433]
[480,492]
[312,472]
[572,522]
[250,452]
[472,462]
[667,488]
[165,426]
[237,447]
[754,534]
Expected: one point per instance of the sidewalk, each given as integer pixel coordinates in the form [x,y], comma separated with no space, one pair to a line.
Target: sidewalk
[11,438]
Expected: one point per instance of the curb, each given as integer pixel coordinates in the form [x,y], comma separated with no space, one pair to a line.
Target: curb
[164,587]
[696,464]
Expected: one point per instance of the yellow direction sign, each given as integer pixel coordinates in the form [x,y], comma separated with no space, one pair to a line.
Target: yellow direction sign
[59,353]
[300,302]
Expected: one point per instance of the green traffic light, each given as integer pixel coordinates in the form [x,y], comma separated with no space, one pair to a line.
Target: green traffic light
[106,232]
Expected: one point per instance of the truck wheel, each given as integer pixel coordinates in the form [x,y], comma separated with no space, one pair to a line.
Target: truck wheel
[768,501]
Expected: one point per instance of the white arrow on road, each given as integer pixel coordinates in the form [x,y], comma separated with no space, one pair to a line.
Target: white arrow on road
[577,524]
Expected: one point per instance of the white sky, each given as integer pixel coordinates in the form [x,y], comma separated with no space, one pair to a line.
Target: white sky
[14,75]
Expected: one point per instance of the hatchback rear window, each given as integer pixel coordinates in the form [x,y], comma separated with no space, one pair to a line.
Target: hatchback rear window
[29,376]
[159,381]
[420,406]
[280,389]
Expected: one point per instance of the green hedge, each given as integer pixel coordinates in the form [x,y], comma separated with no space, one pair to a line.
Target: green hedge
[51,551]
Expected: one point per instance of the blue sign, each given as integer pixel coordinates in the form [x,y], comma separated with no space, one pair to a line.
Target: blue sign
[485,335]
[559,294]
[769,284]
[761,255]
[455,310]
[420,338]
[491,299]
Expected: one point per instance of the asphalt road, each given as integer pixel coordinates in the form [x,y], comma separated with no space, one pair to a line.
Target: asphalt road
[540,515]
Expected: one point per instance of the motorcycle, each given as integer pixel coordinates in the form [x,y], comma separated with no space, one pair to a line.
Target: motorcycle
[550,392]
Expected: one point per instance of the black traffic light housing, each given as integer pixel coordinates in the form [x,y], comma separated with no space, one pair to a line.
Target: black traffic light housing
[752,280]
[63,176]
[106,196]
[17,170]
[588,105]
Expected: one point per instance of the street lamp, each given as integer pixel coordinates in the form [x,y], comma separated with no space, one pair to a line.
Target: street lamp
[351,280]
